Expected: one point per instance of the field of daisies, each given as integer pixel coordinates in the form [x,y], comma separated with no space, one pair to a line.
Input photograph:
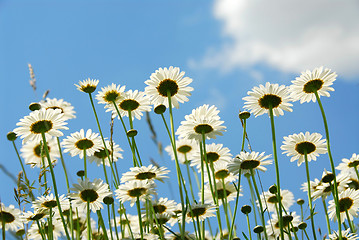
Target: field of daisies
[209,180]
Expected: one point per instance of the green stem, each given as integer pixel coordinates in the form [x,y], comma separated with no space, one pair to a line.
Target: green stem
[89,235]
[55,186]
[331,163]
[114,220]
[49,230]
[139,216]
[102,224]
[63,164]
[189,178]
[38,226]
[3,228]
[309,195]
[326,215]
[85,163]
[253,197]
[236,205]
[350,222]
[276,171]
[244,134]
[249,227]
[109,221]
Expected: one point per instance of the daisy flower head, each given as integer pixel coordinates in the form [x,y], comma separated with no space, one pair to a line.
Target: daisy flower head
[135,102]
[94,192]
[44,203]
[10,217]
[110,94]
[248,161]
[348,164]
[37,215]
[297,145]
[57,230]
[324,188]
[164,205]
[33,152]
[270,201]
[132,190]
[168,82]
[186,148]
[319,80]
[144,173]
[129,223]
[202,120]
[47,121]
[79,142]
[348,202]
[215,153]
[66,108]
[262,98]
[273,229]
[100,156]
[88,85]
[346,234]
[224,190]
[200,211]
[221,172]
[313,187]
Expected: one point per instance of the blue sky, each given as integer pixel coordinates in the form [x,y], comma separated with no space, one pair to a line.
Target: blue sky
[225,47]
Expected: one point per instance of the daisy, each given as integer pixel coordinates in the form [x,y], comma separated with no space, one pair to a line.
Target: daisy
[262,98]
[202,120]
[168,82]
[79,142]
[94,192]
[324,189]
[44,203]
[10,217]
[297,145]
[200,211]
[186,148]
[88,85]
[215,153]
[221,172]
[127,222]
[37,215]
[49,122]
[57,230]
[247,161]
[144,173]
[313,188]
[66,108]
[228,191]
[303,88]
[130,191]
[348,164]
[163,205]
[177,216]
[33,152]
[273,229]
[353,181]
[348,202]
[146,236]
[100,155]
[109,94]
[270,201]
[134,101]
[347,235]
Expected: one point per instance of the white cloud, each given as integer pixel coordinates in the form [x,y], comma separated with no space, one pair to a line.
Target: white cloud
[291,36]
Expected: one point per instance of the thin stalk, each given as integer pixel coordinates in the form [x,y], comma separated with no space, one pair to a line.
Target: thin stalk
[326,215]
[22,165]
[225,204]
[63,165]
[189,179]
[85,163]
[102,224]
[49,230]
[55,186]
[114,219]
[89,235]
[276,171]
[44,170]
[309,195]
[249,227]
[3,228]
[236,205]
[244,134]
[109,220]
[139,216]
[105,172]
[350,222]
[38,226]
[331,163]
[253,201]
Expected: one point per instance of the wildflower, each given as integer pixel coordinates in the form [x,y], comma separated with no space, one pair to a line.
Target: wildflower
[33,152]
[215,153]
[227,191]
[87,86]
[273,229]
[37,215]
[100,155]
[186,148]
[109,94]
[303,88]
[262,98]
[10,217]
[130,191]
[144,173]
[79,141]
[57,230]
[85,191]
[49,122]
[221,172]
[200,211]
[66,108]
[346,234]
[351,163]
[348,202]
[249,161]
[132,101]
[164,205]
[270,201]
[44,203]
[297,145]
[203,120]
[168,82]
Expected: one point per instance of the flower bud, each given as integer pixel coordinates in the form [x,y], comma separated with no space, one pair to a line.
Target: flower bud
[11,136]
[160,109]
[246,209]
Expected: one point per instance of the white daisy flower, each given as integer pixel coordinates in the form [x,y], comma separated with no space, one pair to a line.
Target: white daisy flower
[94,192]
[353,181]
[215,153]
[109,94]
[319,80]
[228,191]
[37,215]
[200,211]
[168,81]
[297,145]
[44,203]
[324,189]
[348,201]
[34,151]
[57,230]
[79,141]
[247,161]
[346,235]
[164,205]
[269,200]
[313,188]
[221,172]
[126,222]
[186,148]
[10,217]
[273,229]
[177,216]
[66,108]
[262,98]
[144,173]
[134,101]
[130,191]
[49,122]
[87,85]
[99,156]
[348,164]
[202,120]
